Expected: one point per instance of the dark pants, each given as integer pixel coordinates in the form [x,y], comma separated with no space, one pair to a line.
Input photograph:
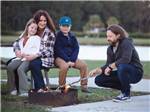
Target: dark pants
[120,79]
[36,67]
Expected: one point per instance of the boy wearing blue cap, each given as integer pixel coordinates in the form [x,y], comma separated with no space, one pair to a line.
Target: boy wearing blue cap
[66,53]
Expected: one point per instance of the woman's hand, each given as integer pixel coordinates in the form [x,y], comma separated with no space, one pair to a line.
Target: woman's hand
[30,57]
[23,55]
[18,54]
[95,72]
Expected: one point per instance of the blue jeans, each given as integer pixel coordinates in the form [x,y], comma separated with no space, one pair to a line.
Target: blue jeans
[36,67]
[121,78]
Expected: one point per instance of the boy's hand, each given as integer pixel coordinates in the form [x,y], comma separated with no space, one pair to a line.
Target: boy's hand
[71,64]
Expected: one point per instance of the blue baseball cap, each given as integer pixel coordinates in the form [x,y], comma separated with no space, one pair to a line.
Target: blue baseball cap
[65,20]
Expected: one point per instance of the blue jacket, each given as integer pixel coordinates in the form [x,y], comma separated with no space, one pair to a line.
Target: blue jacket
[66,47]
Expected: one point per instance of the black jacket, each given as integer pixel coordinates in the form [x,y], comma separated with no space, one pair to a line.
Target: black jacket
[66,48]
[125,54]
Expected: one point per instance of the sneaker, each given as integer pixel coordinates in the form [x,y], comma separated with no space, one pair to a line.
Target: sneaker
[122,98]
[85,90]
[24,94]
[14,92]
[41,90]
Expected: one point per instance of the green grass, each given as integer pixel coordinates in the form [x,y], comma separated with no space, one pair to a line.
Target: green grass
[21,107]
[8,40]
[11,103]
[146,66]
[73,72]
[101,95]
[91,65]
[142,42]
[20,104]
[102,41]
[92,41]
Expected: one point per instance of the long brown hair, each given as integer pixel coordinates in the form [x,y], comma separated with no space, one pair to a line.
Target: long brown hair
[25,32]
[117,29]
[50,23]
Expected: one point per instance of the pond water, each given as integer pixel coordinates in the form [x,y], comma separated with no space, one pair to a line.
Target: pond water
[88,52]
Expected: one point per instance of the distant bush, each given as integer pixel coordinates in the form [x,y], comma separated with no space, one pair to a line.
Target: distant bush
[112,20]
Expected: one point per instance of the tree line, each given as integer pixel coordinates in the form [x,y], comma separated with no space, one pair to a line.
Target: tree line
[134,16]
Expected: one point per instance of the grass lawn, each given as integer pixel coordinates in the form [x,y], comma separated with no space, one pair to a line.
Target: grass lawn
[20,104]
[8,40]
[91,65]
[94,64]
[102,41]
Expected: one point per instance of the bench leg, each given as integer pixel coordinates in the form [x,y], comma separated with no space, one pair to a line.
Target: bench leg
[46,77]
[32,82]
